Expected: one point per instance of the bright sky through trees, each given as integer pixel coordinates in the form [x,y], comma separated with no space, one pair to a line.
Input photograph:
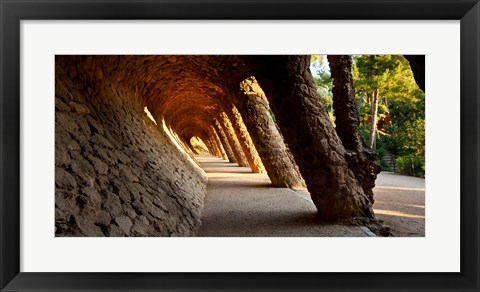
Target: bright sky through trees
[319,62]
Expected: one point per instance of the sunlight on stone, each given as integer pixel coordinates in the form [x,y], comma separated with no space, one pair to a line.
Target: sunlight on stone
[149,115]
[175,140]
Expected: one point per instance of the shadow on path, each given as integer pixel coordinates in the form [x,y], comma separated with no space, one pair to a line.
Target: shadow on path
[240,203]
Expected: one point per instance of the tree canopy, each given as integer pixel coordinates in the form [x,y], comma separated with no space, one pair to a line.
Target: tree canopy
[391,108]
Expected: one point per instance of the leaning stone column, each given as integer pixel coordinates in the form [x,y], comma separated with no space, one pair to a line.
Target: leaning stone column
[245,140]
[216,139]
[232,139]
[361,159]
[318,151]
[225,144]
[208,143]
[190,146]
[214,148]
[281,170]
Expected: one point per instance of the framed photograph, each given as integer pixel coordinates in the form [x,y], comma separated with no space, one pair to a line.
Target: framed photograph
[124,122]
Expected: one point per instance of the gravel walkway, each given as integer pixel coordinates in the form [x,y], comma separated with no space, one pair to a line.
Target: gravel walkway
[400,202]
[243,204]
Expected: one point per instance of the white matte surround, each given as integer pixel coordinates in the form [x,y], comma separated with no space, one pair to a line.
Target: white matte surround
[439,251]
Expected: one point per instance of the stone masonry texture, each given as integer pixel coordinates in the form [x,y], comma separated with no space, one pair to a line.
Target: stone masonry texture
[124,164]
[116,172]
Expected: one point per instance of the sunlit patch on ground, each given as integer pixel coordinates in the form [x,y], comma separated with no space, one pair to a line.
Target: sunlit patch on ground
[396,213]
[399,188]
[400,202]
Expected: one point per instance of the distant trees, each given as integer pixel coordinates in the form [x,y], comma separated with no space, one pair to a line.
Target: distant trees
[391,108]
[406,134]
[323,82]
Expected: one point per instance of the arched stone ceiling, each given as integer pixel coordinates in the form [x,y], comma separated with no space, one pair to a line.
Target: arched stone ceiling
[185,91]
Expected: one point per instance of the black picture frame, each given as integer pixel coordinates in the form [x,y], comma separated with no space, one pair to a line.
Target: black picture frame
[12,12]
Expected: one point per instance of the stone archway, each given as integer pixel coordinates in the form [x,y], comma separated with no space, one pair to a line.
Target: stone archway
[120,172]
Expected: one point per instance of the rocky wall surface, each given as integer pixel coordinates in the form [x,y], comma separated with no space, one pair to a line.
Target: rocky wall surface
[116,172]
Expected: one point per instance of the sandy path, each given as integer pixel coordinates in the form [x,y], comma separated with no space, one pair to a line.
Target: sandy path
[400,202]
[241,203]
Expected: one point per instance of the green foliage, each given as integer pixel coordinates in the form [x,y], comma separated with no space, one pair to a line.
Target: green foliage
[364,131]
[381,159]
[408,109]
[407,132]
[381,149]
[393,142]
[401,102]
[401,107]
[332,117]
[389,74]
[411,165]
[414,137]
[374,71]
[323,82]
[272,115]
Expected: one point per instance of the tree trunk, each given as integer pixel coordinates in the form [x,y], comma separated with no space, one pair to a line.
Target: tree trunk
[373,126]
[306,126]
[359,103]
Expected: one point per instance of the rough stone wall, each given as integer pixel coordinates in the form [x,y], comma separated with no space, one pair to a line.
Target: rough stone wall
[116,172]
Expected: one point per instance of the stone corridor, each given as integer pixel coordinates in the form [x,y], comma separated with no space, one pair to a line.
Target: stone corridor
[128,129]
